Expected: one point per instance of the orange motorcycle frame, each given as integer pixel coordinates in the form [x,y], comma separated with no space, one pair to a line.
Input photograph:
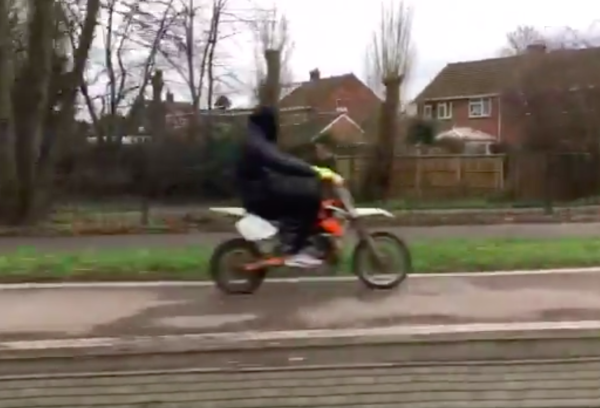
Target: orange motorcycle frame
[327,222]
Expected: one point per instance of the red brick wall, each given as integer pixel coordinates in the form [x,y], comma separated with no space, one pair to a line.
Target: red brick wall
[345,131]
[496,125]
[360,101]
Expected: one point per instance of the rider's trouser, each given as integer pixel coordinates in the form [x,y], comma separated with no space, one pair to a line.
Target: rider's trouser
[296,209]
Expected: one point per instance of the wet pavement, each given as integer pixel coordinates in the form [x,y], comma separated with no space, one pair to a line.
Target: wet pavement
[30,314]
[410,234]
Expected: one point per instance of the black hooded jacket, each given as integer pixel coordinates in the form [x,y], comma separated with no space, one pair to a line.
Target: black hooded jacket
[263,170]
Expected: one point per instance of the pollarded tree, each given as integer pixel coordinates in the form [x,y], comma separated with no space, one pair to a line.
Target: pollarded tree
[273,52]
[391,57]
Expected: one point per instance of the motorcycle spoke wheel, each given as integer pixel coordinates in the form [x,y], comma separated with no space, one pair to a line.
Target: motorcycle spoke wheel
[394,264]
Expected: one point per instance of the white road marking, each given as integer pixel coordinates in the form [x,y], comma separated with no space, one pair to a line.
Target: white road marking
[306,279]
[291,335]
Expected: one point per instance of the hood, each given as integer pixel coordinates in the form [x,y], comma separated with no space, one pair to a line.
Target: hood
[265,119]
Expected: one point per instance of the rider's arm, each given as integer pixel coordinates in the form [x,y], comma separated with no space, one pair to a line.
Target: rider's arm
[281,162]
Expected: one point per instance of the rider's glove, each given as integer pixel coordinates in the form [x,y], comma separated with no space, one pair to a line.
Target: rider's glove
[328,174]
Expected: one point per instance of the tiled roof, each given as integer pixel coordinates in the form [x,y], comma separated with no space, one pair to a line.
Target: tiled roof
[490,76]
[293,134]
[310,92]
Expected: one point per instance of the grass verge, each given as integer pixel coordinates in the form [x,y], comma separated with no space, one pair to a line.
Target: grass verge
[464,255]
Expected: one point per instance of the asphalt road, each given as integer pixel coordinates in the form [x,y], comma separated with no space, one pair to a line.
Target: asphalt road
[541,231]
[30,314]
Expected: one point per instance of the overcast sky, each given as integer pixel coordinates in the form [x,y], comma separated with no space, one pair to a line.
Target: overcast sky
[332,34]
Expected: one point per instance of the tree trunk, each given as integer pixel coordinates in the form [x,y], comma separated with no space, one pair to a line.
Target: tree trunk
[59,136]
[33,95]
[158,127]
[272,82]
[377,180]
[7,156]
[151,152]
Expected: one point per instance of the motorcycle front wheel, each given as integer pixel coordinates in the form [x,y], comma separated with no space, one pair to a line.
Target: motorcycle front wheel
[394,260]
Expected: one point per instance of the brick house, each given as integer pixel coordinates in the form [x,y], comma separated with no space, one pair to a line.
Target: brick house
[336,105]
[299,125]
[339,103]
[474,94]
[302,125]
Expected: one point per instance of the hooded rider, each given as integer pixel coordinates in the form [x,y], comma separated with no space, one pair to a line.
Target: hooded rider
[280,187]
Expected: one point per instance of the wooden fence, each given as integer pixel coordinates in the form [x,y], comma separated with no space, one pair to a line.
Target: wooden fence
[435,176]
[554,176]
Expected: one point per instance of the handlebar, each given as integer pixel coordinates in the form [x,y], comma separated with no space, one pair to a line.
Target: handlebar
[346,198]
[340,182]
[326,174]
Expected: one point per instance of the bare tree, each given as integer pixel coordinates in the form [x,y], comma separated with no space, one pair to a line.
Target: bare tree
[555,90]
[391,53]
[37,95]
[553,103]
[191,49]
[215,34]
[132,36]
[520,39]
[372,78]
[273,51]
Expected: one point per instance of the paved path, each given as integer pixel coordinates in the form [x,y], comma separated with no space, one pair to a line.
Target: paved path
[540,231]
[92,312]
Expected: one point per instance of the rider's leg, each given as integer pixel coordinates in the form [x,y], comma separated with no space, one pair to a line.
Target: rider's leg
[303,211]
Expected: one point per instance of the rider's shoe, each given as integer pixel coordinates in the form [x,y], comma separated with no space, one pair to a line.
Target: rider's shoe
[303,260]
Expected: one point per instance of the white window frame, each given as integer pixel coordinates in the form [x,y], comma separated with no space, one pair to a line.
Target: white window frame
[443,110]
[427,111]
[340,106]
[299,118]
[483,104]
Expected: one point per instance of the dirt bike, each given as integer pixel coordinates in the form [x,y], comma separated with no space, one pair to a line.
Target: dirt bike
[240,265]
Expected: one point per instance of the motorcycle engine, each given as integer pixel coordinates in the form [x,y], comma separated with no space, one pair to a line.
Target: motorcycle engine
[326,246]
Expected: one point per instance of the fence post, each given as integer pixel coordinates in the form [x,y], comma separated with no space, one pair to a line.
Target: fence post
[500,172]
[351,173]
[459,170]
[418,176]
[548,204]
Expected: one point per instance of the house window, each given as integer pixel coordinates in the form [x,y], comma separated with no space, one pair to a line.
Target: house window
[340,106]
[444,110]
[299,118]
[427,112]
[480,108]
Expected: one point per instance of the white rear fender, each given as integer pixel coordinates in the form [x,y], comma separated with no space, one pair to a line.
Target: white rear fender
[233,211]
[255,228]
[373,212]
[251,227]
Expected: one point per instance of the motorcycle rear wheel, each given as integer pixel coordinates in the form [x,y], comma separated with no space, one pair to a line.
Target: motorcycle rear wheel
[230,278]
[362,262]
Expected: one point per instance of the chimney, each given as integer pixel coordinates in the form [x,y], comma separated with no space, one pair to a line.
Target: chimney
[170,97]
[536,48]
[315,74]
